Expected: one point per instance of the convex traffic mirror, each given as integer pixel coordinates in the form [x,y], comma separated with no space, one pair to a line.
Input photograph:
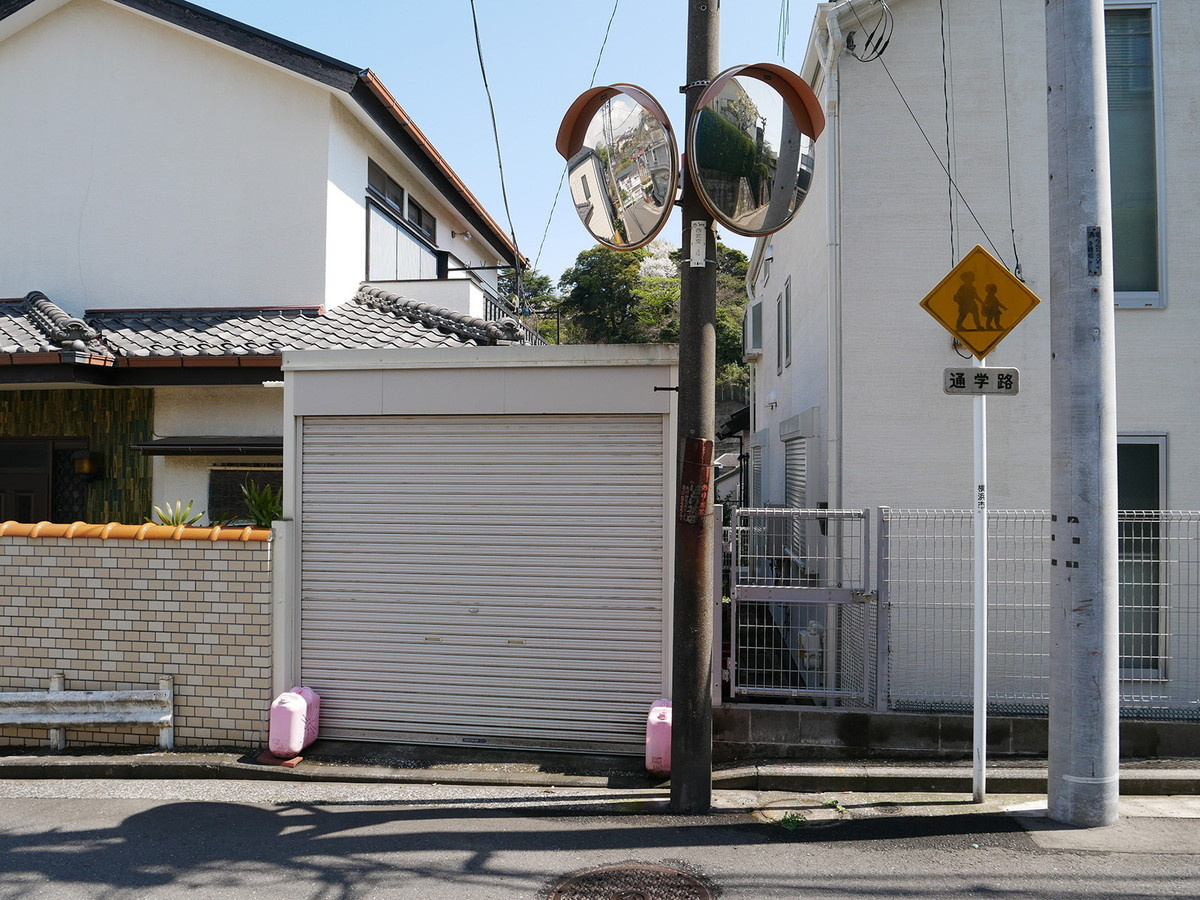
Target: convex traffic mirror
[750,147]
[622,164]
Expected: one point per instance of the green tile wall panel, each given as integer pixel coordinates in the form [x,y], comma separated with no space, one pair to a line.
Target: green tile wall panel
[109,420]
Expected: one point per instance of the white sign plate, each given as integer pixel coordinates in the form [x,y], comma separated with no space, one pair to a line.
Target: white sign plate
[981,380]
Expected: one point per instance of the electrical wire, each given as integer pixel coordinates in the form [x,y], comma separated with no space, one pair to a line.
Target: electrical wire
[877,39]
[932,150]
[1008,142]
[946,111]
[785,23]
[496,134]
[563,177]
[604,43]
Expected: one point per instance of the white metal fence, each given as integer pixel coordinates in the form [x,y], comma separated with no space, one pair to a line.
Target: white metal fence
[806,623]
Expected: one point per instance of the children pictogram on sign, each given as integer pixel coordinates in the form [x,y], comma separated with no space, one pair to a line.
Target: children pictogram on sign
[980,322]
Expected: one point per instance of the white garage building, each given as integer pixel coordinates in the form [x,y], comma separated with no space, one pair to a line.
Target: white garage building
[481,542]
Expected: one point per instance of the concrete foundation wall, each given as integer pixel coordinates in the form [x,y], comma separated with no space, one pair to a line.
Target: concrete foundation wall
[117,614]
[749,733]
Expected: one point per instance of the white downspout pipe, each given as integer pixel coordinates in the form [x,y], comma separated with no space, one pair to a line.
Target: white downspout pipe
[833,225]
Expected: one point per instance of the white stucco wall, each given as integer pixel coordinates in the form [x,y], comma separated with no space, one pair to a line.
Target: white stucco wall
[1156,348]
[346,237]
[149,167]
[905,443]
[801,256]
[250,410]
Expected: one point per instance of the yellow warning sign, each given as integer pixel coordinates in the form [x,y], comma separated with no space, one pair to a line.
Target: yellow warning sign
[980,302]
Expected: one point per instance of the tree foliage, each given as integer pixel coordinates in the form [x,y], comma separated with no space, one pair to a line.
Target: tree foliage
[632,297]
[600,296]
[534,299]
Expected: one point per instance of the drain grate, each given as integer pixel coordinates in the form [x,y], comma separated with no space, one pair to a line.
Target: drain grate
[631,881]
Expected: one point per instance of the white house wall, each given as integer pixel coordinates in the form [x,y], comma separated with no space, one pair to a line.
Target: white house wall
[1156,348]
[236,411]
[346,236]
[146,165]
[802,382]
[906,443]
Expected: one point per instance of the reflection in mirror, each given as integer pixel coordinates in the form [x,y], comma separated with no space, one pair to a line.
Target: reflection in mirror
[623,176]
[753,163]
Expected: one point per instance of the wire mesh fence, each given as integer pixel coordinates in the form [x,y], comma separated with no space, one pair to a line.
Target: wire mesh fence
[928,591]
[805,624]
[825,548]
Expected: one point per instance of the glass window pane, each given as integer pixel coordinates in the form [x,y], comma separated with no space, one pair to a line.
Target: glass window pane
[1132,146]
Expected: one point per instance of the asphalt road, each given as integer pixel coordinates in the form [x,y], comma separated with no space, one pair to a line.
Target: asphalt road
[159,839]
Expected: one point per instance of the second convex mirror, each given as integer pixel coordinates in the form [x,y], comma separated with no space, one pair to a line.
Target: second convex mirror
[750,147]
[622,164]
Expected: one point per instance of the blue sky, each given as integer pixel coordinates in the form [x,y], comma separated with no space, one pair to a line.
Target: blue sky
[539,56]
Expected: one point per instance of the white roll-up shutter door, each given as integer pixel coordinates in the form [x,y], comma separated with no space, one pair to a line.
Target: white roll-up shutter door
[493,580]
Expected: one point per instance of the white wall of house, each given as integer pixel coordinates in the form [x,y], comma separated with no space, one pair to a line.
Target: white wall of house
[351,145]
[1156,348]
[346,191]
[904,442]
[241,410]
[148,167]
[794,377]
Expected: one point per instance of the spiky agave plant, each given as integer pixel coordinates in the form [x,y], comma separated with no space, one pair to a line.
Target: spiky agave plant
[176,515]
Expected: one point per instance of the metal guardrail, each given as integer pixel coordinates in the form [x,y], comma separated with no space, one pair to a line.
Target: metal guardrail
[58,710]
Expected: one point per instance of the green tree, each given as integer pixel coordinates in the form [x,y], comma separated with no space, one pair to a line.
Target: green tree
[614,296]
[732,266]
[600,296]
[534,300]
[536,290]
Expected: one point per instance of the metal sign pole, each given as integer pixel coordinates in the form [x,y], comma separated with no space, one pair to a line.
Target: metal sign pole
[979,775]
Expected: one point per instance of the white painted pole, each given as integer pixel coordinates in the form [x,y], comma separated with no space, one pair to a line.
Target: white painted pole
[979,774]
[1082,787]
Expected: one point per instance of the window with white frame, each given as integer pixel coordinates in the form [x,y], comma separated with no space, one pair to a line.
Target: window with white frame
[1135,132]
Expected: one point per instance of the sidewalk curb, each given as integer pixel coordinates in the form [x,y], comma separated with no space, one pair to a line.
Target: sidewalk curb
[808,778]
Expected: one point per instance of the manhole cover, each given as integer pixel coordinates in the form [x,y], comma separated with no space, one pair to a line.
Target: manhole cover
[631,881]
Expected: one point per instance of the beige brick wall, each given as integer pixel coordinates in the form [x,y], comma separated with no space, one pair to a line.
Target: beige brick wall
[117,614]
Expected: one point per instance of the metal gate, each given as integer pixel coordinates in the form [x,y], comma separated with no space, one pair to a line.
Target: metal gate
[803,619]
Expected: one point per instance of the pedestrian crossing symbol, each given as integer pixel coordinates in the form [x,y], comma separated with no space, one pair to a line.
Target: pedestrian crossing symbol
[980,302]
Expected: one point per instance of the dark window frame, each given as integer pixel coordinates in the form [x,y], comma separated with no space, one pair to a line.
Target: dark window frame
[422,220]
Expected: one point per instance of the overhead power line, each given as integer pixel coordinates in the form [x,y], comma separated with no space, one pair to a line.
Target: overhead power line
[563,177]
[495,129]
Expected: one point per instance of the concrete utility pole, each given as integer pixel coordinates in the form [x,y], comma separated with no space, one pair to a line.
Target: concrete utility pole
[691,714]
[1083,758]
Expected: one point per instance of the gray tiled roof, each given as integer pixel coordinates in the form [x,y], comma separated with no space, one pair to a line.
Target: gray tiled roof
[37,325]
[373,319]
